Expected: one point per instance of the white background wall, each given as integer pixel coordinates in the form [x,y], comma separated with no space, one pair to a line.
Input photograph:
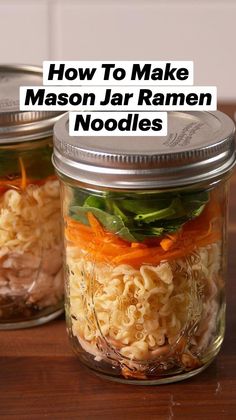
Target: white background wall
[200,30]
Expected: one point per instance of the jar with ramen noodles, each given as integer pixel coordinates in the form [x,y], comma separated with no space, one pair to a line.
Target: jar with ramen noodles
[145,222]
[31,283]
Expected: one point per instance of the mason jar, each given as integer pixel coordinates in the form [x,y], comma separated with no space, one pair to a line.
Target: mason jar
[145,229]
[31,281]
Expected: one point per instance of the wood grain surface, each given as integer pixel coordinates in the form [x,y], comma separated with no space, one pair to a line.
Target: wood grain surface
[41,378]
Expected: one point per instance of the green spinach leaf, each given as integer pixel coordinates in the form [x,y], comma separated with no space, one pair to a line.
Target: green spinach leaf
[110,222]
[138,217]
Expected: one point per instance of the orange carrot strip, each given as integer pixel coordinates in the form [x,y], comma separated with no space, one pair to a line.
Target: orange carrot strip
[153,258]
[137,254]
[78,227]
[112,249]
[207,240]
[166,244]
[75,237]
[95,225]
[138,245]
[107,237]
[23,174]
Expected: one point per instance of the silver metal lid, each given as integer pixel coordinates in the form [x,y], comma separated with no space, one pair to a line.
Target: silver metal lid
[199,146]
[16,125]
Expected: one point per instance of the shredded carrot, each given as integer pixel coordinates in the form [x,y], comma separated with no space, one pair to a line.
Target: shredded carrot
[23,174]
[95,225]
[138,245]
[105,246]
[167,243]
[134,254]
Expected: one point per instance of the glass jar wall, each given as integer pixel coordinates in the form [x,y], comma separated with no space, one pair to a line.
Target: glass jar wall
[31,283]
[145,223]
[145,279]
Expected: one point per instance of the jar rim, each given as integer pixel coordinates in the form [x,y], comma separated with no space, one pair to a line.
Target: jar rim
[18,126]
[204,149]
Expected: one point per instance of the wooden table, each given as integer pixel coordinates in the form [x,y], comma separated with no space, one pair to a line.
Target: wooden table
[41,378]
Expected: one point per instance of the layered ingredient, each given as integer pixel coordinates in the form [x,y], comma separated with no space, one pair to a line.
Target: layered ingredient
[144,280]
[31,283]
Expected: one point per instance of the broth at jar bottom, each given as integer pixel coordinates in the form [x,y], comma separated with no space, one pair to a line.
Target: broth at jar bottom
[145,229]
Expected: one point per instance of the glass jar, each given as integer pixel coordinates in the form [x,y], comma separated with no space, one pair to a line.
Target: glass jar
[31,282]
[145,222]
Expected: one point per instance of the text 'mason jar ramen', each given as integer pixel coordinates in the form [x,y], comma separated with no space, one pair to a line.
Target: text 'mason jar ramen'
[31,283]
[145,223]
